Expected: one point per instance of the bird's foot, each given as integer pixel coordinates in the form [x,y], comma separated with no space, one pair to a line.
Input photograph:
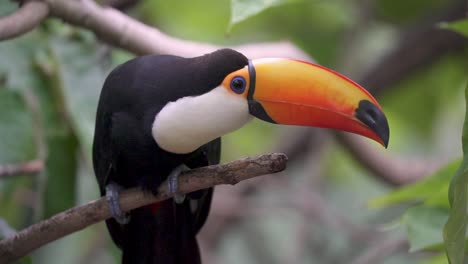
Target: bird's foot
[112,197]
[173,184]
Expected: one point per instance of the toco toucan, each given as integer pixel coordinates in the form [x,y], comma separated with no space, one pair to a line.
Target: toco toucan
[157,113]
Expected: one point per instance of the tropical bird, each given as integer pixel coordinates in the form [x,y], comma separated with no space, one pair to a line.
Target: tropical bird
[159,114]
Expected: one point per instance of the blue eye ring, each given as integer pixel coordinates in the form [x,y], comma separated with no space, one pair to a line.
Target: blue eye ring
[238,84]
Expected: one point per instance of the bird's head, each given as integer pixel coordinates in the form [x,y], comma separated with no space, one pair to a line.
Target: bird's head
[280,91]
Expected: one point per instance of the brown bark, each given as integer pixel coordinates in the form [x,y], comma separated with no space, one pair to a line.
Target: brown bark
[79,217]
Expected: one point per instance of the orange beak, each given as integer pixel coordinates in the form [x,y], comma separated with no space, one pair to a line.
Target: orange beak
[299,93]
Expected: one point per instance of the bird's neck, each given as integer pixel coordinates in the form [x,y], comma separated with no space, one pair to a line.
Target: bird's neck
[190,122]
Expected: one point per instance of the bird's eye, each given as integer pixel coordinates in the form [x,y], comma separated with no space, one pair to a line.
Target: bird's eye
[238,84]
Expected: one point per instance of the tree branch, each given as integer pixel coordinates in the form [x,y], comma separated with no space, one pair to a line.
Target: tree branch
[31,14]
[122,31]
[79,217]
[29,167]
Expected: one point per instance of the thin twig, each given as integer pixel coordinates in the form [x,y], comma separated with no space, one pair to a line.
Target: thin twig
[29,167]
[79,217]
[25,19]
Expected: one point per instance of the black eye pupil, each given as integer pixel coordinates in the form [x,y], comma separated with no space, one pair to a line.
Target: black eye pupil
[238,84]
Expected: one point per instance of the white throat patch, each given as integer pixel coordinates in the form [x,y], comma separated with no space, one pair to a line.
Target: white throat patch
[190,122]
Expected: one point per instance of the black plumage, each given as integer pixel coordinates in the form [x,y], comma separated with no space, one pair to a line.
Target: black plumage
[125,152]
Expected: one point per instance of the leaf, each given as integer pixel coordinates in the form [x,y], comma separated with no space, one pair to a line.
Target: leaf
[407,11]
[435,259]
[74,79]
[20,51]
[455,228]
[74,86]
[423,226]
[81,76]
[16,138]
[422,190]
[16,145]
[243,9]
[61,167]
[25,260]
[459,26]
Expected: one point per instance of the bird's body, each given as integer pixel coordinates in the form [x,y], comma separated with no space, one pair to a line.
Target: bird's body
[156,113]
[126,153]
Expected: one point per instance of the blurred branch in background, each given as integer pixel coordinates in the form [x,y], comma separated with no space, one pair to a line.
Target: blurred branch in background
[125,32]
[79,217]
[421,44]
[29,167]
[392,170]
[25,19]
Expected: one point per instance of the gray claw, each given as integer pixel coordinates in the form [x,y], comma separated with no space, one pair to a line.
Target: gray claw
[112,197]
[173,185]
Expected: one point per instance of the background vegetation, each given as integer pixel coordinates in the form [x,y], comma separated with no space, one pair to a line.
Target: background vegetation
[340,201]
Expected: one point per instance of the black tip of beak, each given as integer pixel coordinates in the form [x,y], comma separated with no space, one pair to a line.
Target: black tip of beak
[374,118]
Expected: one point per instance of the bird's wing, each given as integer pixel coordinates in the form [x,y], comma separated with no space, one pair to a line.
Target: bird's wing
[209,154]
[118,140]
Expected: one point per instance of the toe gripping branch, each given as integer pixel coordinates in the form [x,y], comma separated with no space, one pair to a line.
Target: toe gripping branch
[113,190]
[112,197]
[173,184]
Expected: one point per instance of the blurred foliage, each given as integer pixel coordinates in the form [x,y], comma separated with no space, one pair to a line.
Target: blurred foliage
[460,26]
[243,9]
[423,191]
[400,12]
[50,81]
[455,229]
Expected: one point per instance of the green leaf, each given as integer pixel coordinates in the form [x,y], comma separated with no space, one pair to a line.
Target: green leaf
[421,191]
[73,78]
[435,259]
[16,138]
[18,75]
[61,168]
[58,139]
[423,226]
[455,228]
[243,9]
[74,86]
[16,145]
[407,11]
[25,260]
[81,76]
[459,26]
